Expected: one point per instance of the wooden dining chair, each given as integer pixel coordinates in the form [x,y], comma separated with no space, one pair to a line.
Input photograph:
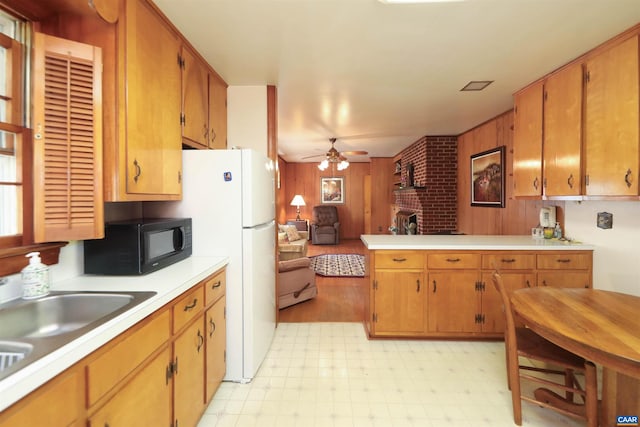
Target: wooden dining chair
[522,342]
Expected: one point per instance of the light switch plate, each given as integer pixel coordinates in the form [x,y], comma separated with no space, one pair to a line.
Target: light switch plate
[605,220]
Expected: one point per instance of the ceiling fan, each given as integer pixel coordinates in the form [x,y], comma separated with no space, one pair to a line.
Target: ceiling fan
[335,156]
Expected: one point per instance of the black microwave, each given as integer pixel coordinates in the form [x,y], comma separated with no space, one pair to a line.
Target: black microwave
[138,246]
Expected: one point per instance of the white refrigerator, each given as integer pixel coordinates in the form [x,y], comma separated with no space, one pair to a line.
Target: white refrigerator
[229,194]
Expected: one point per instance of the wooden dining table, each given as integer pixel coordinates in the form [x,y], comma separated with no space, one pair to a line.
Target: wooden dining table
[600,326]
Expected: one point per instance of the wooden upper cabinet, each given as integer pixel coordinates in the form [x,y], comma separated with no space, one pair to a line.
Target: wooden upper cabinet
[217,112]
[612,121]
[527,141]
[67,117]
[195,102]
[149,111]
[562,145]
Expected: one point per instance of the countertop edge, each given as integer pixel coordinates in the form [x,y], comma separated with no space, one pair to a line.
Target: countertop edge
[468,242]
[184,274]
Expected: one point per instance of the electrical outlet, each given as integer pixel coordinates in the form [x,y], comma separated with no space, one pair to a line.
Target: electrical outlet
[605,220]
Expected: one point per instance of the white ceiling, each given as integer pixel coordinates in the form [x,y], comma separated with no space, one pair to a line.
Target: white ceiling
[379,76]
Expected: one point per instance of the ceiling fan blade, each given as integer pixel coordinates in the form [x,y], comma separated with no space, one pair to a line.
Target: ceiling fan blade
[354,153]
[315,155]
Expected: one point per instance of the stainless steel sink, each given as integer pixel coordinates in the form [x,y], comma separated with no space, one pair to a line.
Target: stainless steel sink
[30,329]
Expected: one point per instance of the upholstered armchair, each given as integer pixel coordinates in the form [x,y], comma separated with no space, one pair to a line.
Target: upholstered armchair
[325,227]
[296,281]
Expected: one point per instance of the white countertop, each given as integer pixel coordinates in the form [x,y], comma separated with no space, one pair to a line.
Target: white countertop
[467,242]
[169,283]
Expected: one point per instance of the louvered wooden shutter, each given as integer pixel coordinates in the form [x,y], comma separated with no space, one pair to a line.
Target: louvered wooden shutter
[67,99]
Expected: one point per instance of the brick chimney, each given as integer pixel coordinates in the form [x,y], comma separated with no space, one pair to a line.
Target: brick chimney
[433,196]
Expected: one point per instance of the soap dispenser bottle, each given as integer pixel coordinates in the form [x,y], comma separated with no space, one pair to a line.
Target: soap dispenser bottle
[35,277]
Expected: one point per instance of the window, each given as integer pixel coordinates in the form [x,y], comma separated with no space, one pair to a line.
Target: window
[12,133]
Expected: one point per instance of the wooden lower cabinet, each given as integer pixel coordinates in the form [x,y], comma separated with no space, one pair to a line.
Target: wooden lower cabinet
[400,302]
[216,355]
[144,400]
[146,376]
[457,298]
[57,403]
[188,375]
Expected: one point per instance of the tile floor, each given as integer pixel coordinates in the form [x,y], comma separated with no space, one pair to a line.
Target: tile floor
[329,374]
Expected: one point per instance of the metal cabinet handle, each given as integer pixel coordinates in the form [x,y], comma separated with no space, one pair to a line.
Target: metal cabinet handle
[192,305]
[200,341]
[213,327]
[206,132]
[570,181]
[217,284]
[508,260]
[528,284]
[138,170]
[434,286]
[213,135]
[536,183]
[563,260]
[418,286]
[399,259]
[453,259]
[627,178]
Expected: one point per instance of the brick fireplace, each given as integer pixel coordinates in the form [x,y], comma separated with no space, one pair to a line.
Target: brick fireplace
[433,196]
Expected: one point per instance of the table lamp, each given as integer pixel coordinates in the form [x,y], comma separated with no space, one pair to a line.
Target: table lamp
[297,202]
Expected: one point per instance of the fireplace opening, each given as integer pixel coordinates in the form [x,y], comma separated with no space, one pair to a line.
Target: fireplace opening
[407,222]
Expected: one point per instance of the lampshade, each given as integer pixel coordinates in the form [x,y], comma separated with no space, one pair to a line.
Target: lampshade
[298,201]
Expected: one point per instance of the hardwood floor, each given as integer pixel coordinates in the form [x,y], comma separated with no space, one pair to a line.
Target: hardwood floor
[339,299]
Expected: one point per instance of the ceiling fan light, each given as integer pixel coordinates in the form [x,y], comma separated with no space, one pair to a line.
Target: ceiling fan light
[323,164]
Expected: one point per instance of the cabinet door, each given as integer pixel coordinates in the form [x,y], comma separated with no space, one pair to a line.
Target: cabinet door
[152,117]
[67,142]
[612,121]
[56,403]
[217,112]
[527,142]
[188,355]
[492,307]
[144,401]
[195,102]
[399,302]
[454,301]
[215,366]
[563,132]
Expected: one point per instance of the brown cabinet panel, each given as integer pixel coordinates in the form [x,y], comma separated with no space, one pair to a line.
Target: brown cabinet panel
[612,117]
[453,260]
[454,301]
[399,259]
[399,302]
[564,261]
[195,102]
[565,279]
[215,287]
[217,112]
[508,261]
[144,401]
[188,387]
[527,142]
[188,307]
[492,307]
[215,367]
[562,150]
[133,348]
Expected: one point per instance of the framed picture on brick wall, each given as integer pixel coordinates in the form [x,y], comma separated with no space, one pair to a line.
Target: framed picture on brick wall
[487,178]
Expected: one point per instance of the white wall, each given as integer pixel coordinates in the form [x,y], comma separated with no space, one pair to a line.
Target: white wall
[247,118]
[616,258]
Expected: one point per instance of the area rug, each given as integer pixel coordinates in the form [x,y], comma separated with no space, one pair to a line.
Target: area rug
[338,265]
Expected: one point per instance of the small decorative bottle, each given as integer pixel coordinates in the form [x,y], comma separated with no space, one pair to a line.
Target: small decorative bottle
[557,232]
[35,277]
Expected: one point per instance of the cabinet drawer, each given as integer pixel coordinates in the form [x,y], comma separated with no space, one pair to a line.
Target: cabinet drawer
[564,261]
[565,279]
[453,260]
[187,308]
[214,287]
[509,261]
[399,259]
[117,362]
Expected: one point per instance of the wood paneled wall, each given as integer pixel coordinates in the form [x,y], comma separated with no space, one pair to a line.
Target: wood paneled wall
[518,216]
[304,179]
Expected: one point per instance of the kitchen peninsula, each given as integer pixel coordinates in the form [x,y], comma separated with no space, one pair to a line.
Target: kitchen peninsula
[439,286]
